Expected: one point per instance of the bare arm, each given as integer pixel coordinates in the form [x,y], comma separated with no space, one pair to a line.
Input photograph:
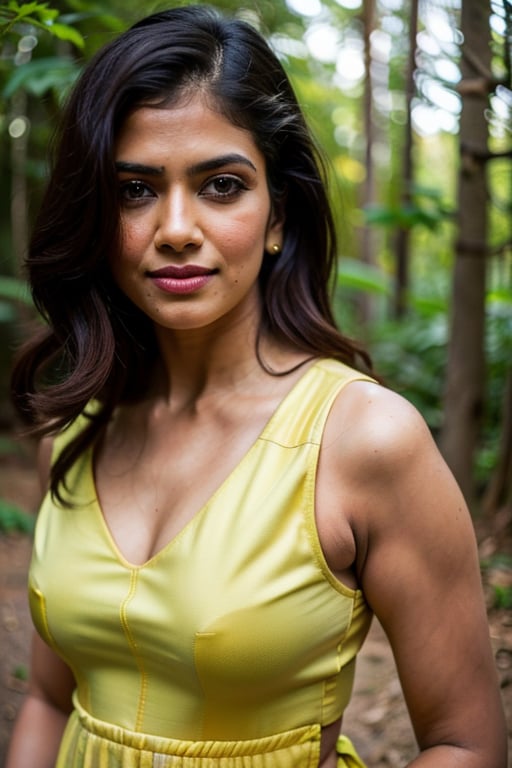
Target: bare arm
[419,569]
[43,716]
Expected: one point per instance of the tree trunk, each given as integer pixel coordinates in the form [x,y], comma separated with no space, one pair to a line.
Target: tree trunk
[364,302]
[464,391]
[403,234]
[499,490]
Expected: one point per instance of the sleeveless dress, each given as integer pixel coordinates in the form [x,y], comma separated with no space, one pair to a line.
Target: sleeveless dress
[234,644]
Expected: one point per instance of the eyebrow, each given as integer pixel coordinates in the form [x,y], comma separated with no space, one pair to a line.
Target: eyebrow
[204,166]
[219,162]
[144,170]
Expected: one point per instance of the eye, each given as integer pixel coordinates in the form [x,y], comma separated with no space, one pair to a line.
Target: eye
[134,191]
[223,187]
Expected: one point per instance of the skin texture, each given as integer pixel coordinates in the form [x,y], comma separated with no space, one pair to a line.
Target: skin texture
[389,514]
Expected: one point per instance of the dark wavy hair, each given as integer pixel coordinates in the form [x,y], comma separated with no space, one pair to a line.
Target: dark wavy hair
[96,343]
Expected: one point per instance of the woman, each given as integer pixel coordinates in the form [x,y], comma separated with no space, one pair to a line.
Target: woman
[229,499]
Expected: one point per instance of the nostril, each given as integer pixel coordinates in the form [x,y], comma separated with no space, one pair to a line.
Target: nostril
[175,247]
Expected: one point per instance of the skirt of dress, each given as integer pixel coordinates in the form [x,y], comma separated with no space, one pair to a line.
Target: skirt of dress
[92,743]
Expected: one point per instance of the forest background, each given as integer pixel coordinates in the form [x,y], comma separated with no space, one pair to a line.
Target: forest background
[411,102]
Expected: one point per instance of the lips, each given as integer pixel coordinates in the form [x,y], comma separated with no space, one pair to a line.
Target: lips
[181,273]
[181,280]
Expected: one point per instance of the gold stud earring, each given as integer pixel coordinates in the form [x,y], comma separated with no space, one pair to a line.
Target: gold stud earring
[276,249]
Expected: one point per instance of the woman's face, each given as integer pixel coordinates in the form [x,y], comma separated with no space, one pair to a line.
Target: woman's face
[196,216]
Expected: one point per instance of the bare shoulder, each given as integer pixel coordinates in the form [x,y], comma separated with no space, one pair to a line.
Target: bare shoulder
[397,492]
[405,507]
[377,428]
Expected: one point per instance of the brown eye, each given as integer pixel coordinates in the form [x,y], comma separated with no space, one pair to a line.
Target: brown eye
[131,191]
[224,187]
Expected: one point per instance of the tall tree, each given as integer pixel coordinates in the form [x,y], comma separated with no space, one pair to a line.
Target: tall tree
[464,391]
[498,494]
[368,191]
[403,233]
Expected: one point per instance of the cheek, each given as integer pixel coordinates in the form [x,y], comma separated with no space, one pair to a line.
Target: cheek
[243,237]
[133,241]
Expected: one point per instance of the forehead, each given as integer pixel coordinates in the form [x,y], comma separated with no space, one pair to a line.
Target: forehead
[189,127]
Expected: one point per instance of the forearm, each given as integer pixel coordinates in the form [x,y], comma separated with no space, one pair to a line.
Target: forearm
[445,756]
[36,736]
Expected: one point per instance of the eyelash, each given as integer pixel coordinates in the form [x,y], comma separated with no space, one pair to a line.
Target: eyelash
[234,181]
[236,187]
[129,187]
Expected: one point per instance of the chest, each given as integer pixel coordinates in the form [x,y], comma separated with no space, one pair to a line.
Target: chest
[153,479]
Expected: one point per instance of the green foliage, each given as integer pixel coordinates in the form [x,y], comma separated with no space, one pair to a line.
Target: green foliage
[499,361]
[20,672]
[357,276]
[39,76]
[13,289]
[426,208]
[502,597]
[13,519]
[13,292]
[497,572]
[410,355]
[38,15]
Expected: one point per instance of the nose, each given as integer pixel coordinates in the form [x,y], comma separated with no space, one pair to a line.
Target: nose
[178,225]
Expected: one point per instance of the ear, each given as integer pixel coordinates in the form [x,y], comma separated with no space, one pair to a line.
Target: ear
[274,236]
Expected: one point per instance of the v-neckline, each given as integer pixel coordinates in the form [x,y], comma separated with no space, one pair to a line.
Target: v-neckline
[194,520]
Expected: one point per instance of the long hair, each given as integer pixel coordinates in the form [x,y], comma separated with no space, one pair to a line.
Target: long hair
[96,344]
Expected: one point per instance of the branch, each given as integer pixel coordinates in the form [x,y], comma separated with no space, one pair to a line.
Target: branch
[480,87]
[480,154]
[472,248]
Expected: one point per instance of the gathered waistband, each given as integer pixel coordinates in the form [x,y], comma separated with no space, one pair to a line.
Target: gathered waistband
[90,743]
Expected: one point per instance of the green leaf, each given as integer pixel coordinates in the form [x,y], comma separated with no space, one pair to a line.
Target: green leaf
[502,597]
[13,518]
[429,306]
[362,277]
[47,15]
[500,296]
[20,672]
[15,290]
[380,215]
[39,76]
[26,9]
[65,32]
[42,17]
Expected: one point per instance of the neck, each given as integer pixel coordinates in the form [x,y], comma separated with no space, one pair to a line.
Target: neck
[197,361]
[202,363]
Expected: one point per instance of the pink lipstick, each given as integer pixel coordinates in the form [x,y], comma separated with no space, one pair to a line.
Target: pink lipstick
[181,280]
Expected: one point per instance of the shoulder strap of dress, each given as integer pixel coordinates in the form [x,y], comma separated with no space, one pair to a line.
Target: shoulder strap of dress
[302,414]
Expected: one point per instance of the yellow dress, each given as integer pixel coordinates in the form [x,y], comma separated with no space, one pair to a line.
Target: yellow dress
[234,644]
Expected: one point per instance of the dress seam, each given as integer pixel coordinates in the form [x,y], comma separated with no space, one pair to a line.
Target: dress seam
[123,615]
